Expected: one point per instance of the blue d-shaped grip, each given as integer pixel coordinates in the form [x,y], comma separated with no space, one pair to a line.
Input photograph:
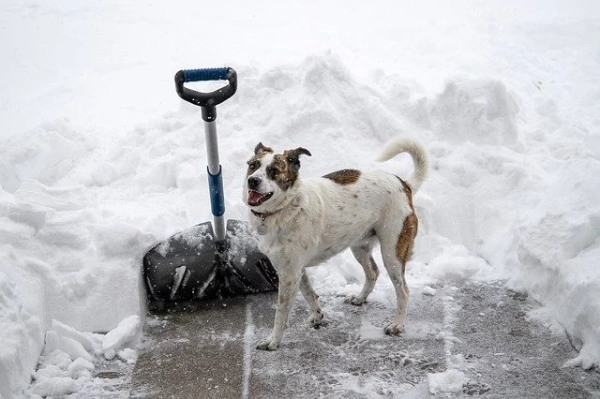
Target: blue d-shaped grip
[217,196]
[208,101]
[205,74]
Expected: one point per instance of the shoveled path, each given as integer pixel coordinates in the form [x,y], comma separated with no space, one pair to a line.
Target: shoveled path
[479,329]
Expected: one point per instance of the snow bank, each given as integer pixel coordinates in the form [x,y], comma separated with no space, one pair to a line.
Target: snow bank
[66,256]
[21,335]
[68,360]
[559,248]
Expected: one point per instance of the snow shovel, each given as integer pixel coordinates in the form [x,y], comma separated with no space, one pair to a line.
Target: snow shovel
[208,260]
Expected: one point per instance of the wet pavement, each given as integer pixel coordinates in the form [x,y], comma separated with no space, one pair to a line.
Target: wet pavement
[481,330]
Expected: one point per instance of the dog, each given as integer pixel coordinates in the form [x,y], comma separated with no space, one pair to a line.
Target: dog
[302,223]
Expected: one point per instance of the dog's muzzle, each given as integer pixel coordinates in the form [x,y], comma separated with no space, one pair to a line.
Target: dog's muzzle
[255,198]
[253,183]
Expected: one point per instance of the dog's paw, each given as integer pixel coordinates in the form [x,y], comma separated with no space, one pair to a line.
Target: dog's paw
[393,329]
[355,300]
[268,344]
[316,320]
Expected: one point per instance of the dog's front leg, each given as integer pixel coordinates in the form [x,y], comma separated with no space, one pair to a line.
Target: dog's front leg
[289,282]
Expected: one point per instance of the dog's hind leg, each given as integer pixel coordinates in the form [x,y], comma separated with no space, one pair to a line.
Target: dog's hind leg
[316,316]
[395,270]
[396,249]
[362,253]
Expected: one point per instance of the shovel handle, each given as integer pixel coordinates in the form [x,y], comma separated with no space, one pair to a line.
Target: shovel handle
[207,101]
[205,74]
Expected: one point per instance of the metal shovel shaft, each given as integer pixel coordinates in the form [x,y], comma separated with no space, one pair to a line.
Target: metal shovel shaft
[215,180]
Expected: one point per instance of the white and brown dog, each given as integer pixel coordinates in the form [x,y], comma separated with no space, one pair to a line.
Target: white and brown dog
[302,223]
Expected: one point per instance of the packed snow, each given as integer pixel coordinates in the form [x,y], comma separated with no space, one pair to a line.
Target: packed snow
[100,160]
[67,361]
[449,381]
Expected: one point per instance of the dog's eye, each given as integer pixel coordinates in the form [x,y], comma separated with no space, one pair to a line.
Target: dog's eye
[273,172]
[253,165]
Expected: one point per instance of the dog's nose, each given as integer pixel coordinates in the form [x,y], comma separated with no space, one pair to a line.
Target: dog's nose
[253,182]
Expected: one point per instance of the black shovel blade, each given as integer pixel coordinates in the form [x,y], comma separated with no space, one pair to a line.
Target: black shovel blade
[247,260]
[189,265]
[179,267]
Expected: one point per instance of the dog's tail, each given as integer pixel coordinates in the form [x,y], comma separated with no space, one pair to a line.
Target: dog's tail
[416,151]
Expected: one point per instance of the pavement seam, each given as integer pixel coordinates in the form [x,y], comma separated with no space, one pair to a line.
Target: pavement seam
[449,307]
[249,334]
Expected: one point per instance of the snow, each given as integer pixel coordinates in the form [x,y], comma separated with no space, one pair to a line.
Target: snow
[55,386]
[100,160]
[449,381]
[124,333]
[68,360]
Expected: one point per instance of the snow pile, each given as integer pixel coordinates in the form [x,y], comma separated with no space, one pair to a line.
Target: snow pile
[21,336]
[480,111]
[67,363]
[560,246]
[62,259]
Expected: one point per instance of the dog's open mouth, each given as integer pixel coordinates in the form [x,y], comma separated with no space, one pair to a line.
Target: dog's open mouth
[255,198]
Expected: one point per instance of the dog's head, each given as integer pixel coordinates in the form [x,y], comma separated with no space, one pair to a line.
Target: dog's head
[271,177]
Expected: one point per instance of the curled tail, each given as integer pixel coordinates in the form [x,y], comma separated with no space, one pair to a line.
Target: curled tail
[416,151]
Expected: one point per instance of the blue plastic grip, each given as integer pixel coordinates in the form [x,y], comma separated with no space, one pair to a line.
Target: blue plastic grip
[205,74]
[217,196]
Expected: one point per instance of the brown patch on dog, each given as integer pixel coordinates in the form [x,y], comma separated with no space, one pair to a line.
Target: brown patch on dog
[406,240]
[408,191]
[344,176]
[280,172]
[259,152]
[284,170]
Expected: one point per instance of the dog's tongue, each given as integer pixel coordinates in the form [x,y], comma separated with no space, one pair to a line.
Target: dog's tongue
[255,198]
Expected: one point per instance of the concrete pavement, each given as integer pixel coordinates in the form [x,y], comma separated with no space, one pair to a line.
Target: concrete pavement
[208,351]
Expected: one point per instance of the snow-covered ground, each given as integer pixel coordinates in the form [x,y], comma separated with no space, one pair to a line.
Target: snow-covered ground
[99,159]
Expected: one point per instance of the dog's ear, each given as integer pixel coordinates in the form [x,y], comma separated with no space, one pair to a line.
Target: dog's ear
[293,156]
[261,148]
